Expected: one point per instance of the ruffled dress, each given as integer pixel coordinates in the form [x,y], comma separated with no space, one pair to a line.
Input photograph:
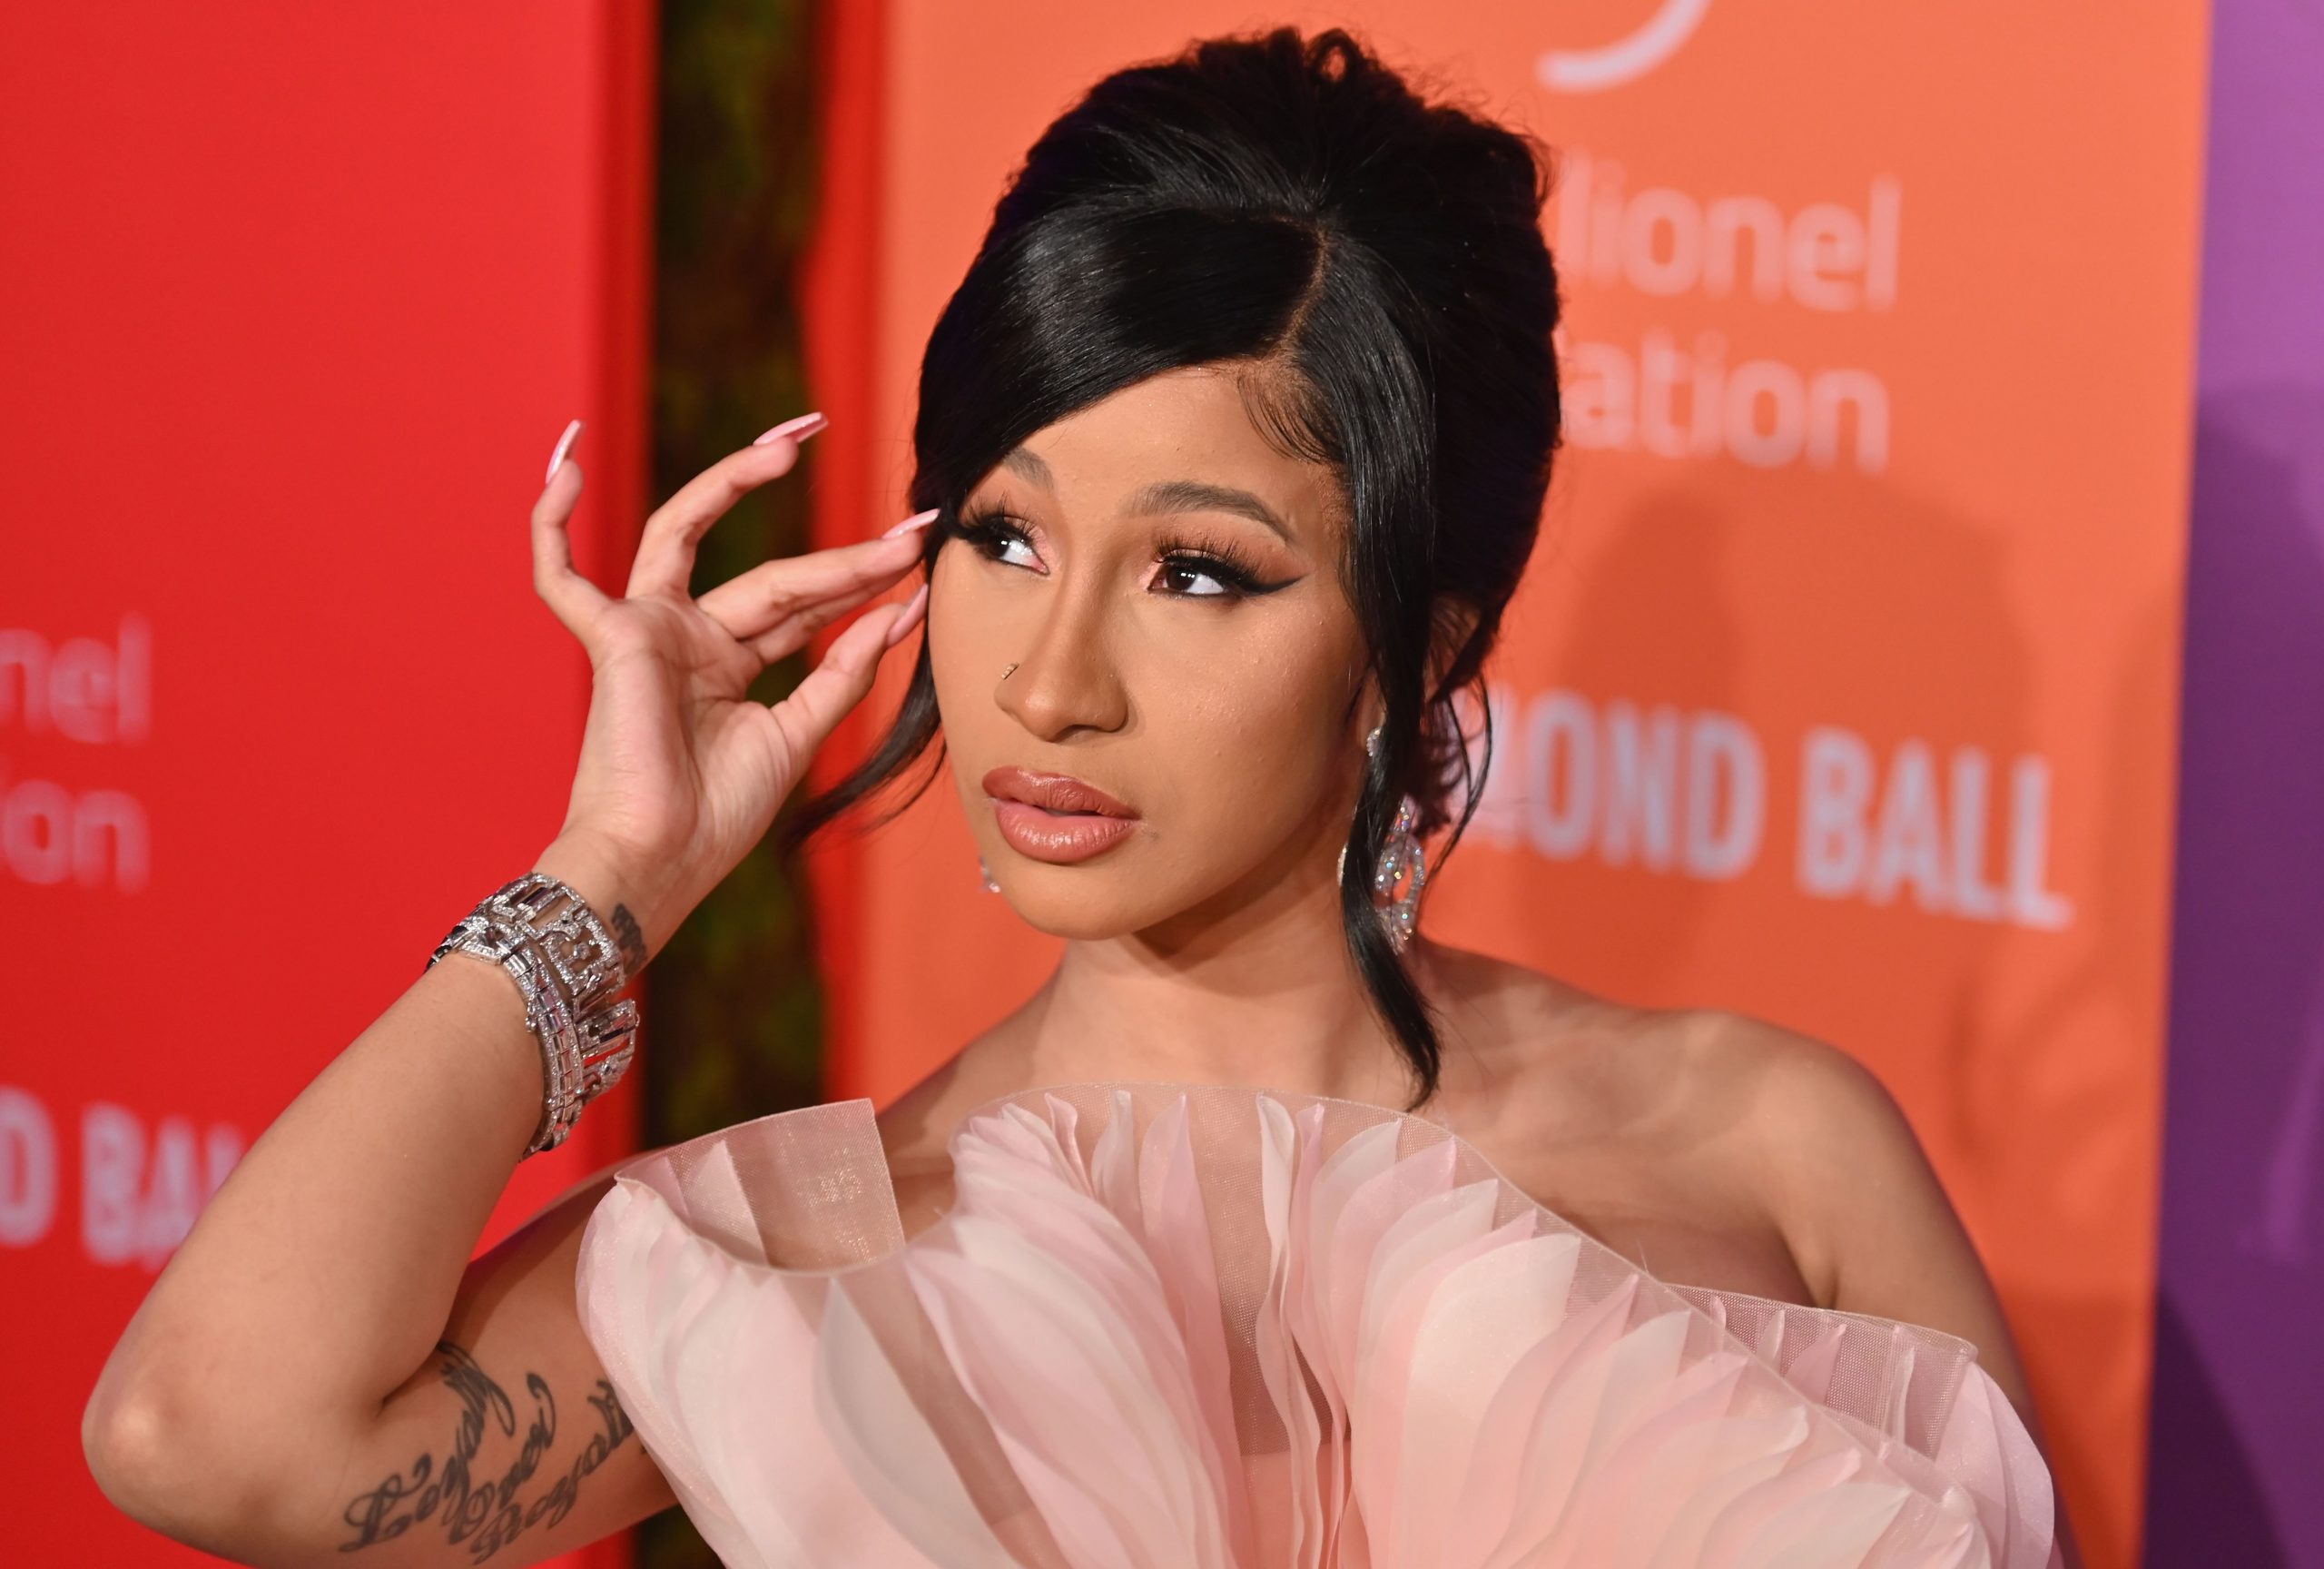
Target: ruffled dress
[1182,1326]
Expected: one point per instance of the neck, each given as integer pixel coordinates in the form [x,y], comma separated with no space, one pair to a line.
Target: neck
[1264,995]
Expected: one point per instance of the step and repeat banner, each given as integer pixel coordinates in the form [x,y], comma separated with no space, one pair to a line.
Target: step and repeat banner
[1846,689]
[1845,686]
[299,298]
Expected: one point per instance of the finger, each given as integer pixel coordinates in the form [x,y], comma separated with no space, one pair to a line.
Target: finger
[815,707]
[753,602]
[915,612]
[571,597]
[665,550]
[573,429]
[793,633]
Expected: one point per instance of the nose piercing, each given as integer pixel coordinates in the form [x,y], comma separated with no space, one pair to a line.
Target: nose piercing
[1005,675]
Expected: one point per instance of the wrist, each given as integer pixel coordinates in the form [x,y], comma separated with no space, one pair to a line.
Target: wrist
[566,933]
[621,899]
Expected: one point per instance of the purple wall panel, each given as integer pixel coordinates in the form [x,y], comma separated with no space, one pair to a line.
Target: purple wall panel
[2237,1466]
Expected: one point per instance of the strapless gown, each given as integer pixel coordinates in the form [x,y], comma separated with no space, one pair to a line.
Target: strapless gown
[1179,1327]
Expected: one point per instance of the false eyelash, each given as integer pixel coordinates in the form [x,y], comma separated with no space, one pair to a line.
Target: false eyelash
[988,528]
[1219,558]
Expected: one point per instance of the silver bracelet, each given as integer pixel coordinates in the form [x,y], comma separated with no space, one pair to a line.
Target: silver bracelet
[569,969]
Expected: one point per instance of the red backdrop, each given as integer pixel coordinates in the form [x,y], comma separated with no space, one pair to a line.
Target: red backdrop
[299,298]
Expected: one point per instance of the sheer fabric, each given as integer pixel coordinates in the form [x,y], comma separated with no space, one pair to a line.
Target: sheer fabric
[1175,1326]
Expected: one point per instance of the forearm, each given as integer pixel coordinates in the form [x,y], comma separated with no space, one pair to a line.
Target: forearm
[320,1277]
[286,1361]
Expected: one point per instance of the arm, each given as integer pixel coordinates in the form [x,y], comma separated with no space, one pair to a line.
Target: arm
[289,1370]
[1865,1216]
[321,1370]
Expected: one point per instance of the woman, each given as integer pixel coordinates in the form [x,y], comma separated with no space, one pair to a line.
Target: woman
[1234,440]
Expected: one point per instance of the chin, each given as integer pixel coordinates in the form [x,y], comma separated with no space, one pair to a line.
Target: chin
[1110,898]
[1082,904]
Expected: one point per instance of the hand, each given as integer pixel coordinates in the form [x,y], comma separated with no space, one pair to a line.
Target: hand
[681,772]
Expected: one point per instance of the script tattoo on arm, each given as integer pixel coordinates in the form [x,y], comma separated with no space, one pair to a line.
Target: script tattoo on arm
[628,939]
[476,1510]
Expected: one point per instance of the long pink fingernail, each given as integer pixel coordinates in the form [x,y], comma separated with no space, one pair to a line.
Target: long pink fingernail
[917,520]
[798,430]
[564,445]
[915,609]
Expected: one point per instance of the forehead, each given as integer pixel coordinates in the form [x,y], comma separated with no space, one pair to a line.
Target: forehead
[1188,424]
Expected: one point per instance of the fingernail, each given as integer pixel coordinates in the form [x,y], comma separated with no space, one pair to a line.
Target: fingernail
[914,607]
[564,445]
[917,520]
[798,430]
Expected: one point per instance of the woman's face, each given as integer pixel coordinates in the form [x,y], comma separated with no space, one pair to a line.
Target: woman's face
[1166,585]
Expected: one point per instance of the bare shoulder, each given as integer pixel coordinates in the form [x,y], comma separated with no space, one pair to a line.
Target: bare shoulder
[1862,1209]
[1787,1111]
[1815,1111]
[1521,1029]
[1742,1120]
[1836,1160]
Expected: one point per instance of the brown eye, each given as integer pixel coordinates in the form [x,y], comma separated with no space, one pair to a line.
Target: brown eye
[1015,551]
[1194,577]
[992,536]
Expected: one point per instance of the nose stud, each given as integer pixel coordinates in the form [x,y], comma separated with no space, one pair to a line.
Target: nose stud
[1005,675]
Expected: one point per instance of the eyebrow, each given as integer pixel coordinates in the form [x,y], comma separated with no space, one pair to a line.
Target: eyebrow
[1165,495]
[1024,461]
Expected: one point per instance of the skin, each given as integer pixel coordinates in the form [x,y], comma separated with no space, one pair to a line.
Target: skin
[323,1342]
[1714,1149]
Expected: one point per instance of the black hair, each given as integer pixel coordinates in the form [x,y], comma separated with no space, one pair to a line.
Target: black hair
[1374,264]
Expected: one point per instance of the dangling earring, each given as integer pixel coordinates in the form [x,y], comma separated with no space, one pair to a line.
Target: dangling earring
[1402,860]
[985,873]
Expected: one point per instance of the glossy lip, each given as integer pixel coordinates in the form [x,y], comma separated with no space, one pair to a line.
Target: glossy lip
[1058,792]
[1054,818]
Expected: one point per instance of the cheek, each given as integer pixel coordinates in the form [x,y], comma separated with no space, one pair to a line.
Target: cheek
[1250,734]
[963,638]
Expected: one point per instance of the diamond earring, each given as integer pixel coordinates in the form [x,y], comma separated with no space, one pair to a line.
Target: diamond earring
[1402,860]
[985,873]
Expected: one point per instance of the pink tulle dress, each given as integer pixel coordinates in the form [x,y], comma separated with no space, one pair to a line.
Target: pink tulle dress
[1180,1327]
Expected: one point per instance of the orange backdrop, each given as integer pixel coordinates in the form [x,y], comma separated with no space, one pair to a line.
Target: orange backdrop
[1844,688]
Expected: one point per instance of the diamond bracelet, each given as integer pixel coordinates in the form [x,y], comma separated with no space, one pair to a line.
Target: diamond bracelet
[569,969]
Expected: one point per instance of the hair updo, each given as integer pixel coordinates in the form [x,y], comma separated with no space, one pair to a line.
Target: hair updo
[1374,264]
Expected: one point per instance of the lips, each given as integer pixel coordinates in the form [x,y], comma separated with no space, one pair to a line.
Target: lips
[1055,791]
[1054,818]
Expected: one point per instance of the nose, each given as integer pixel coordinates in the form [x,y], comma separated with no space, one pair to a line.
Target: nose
[1066,679]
